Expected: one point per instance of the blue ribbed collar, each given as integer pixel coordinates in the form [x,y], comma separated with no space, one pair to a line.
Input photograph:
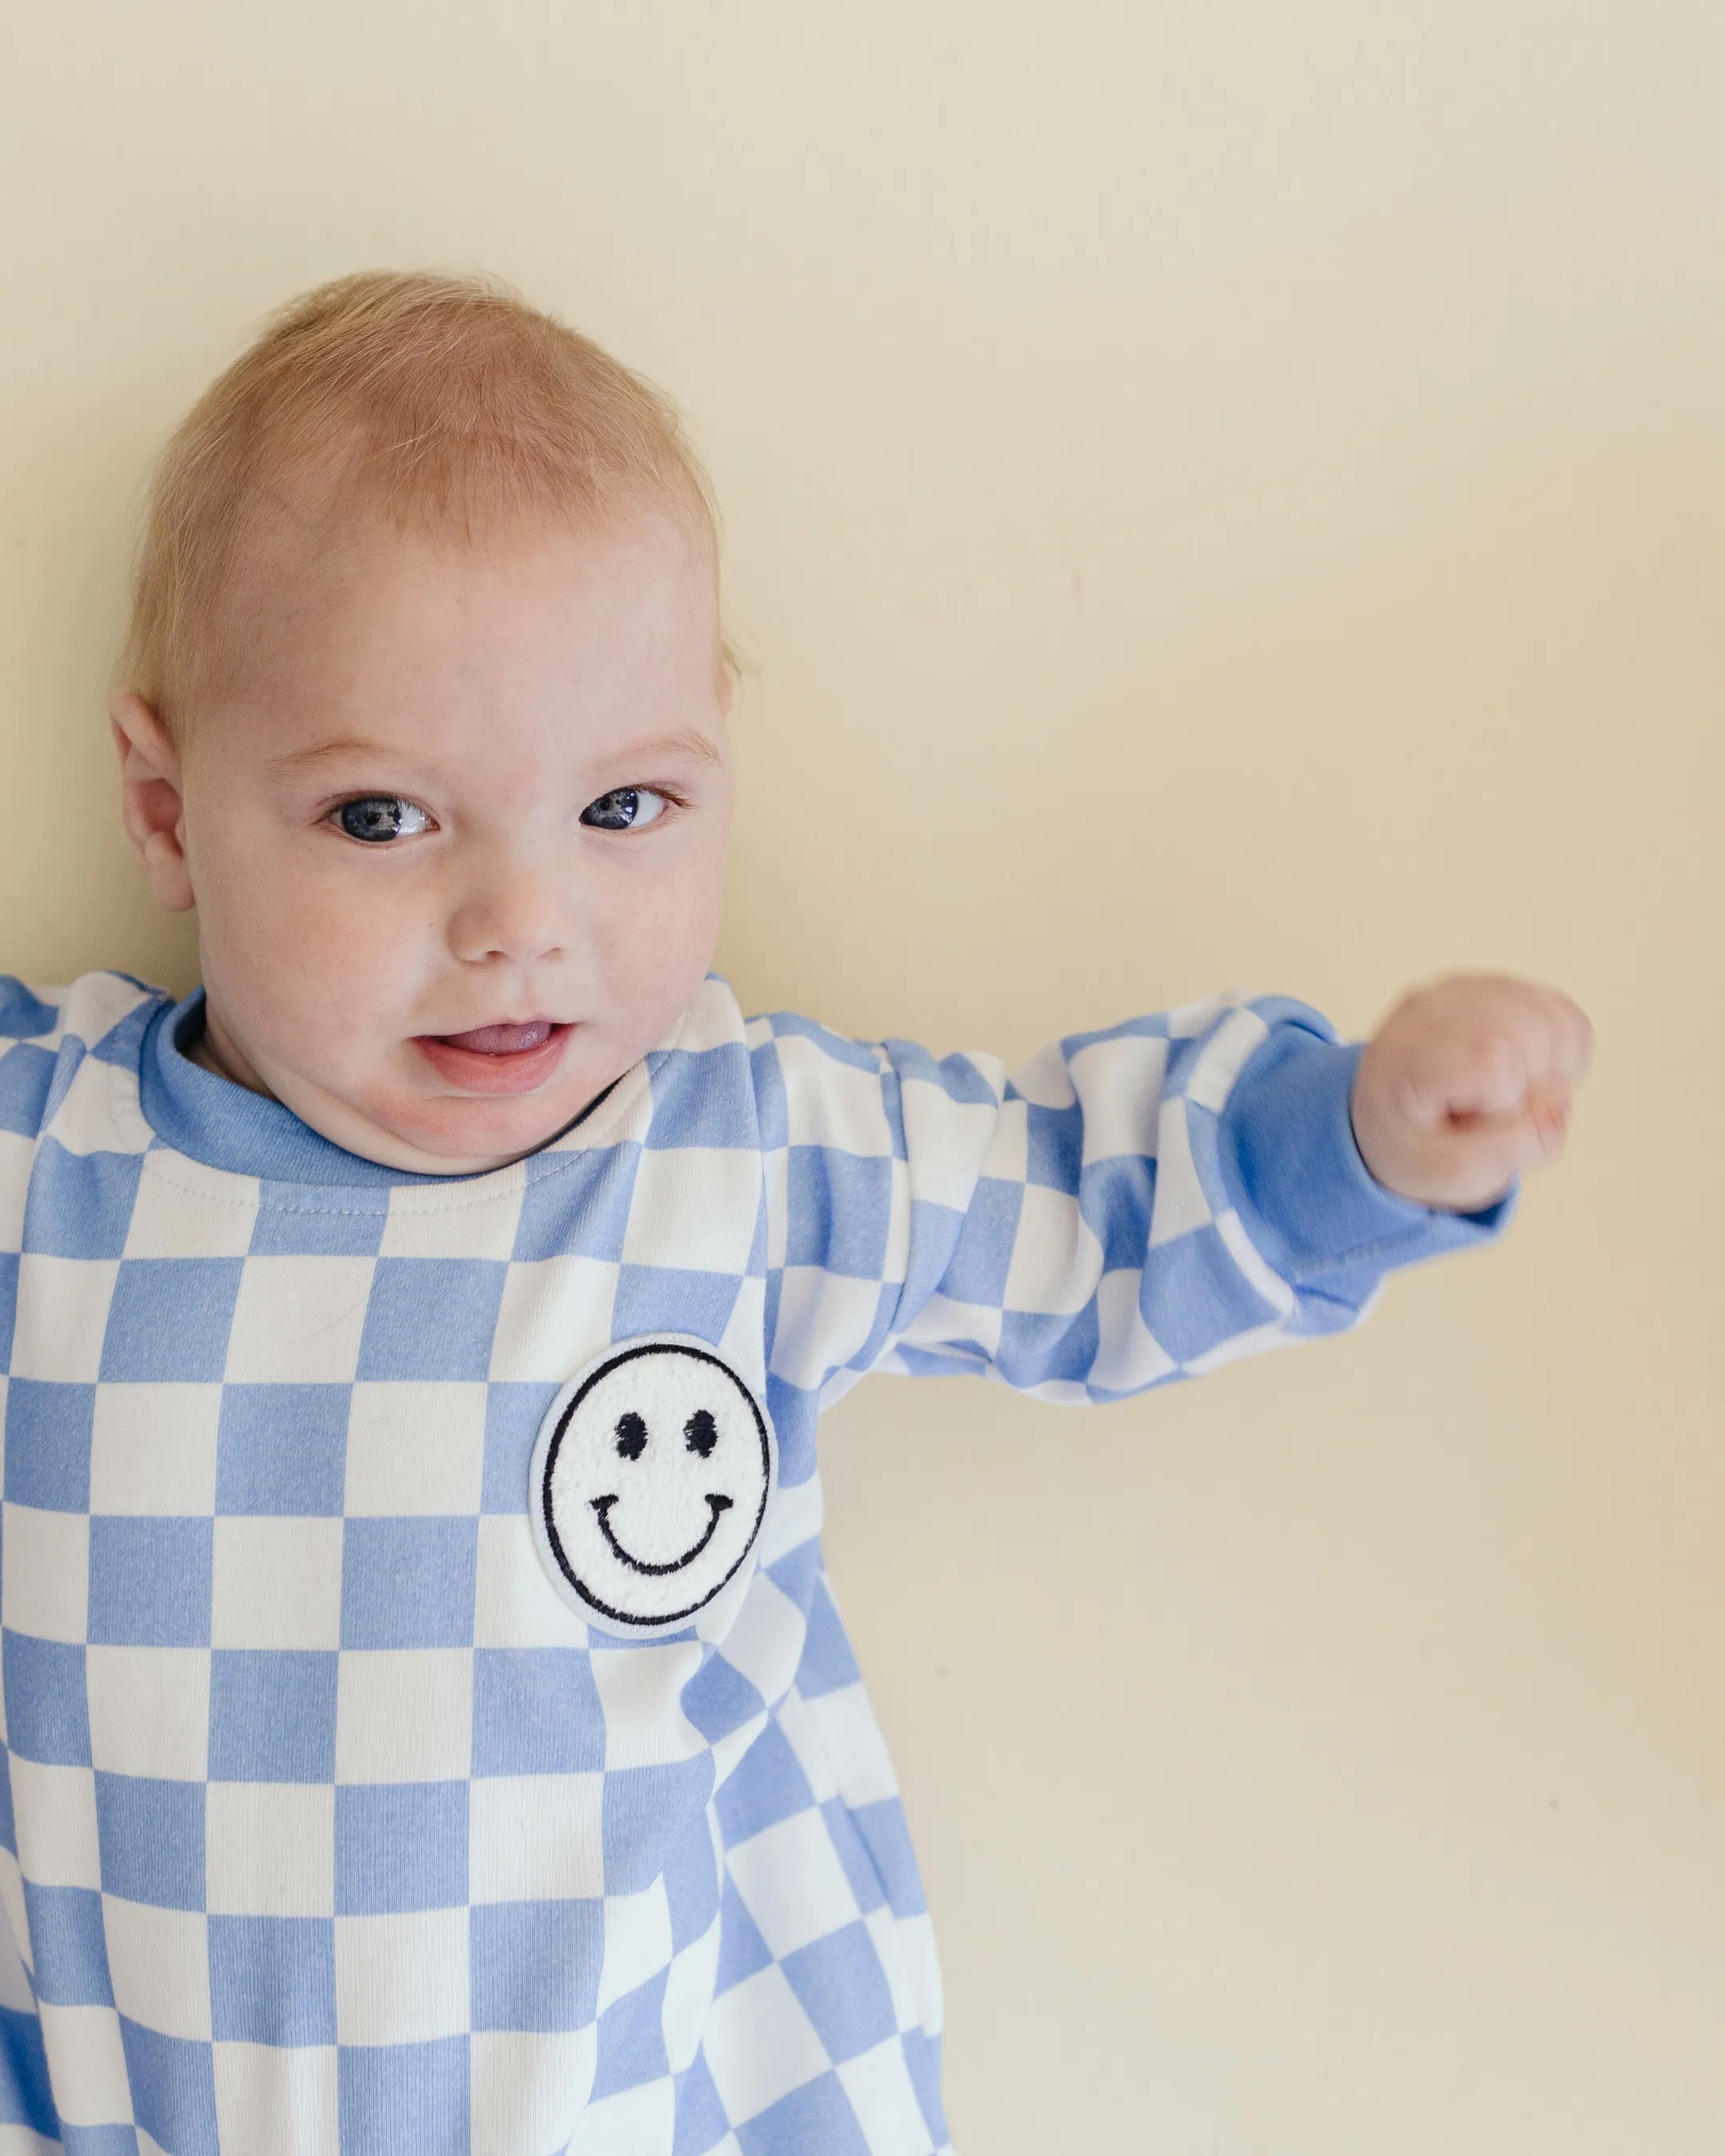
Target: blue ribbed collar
[225,1126]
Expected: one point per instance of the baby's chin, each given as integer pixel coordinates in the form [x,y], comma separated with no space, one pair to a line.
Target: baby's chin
[428,1133]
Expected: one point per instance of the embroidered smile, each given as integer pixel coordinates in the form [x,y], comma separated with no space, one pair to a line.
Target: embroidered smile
[716,1505]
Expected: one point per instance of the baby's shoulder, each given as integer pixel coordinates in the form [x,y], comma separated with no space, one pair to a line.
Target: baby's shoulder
[45,1033]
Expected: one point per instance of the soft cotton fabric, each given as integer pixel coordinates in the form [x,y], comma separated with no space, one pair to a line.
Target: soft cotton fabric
[327,1823]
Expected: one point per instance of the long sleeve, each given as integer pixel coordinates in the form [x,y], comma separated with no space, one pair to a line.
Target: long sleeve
[1133,1206]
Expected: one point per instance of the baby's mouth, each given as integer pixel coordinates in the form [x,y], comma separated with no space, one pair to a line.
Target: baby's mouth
[515,1056]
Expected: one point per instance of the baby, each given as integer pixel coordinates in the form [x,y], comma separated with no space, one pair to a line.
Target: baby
[428,1726]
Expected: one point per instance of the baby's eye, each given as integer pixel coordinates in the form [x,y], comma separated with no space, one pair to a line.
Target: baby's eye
[627,809]
[377,817]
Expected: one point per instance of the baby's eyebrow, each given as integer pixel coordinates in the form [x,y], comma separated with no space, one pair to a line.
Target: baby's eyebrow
[348,747]
[329,751]
[691,743]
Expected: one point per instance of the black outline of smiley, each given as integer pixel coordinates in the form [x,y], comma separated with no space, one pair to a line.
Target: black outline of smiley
[547,1516]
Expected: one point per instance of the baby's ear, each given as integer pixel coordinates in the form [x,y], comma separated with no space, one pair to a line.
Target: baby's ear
[150,799]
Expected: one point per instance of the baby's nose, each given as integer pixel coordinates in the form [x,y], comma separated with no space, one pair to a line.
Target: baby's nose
[516,913]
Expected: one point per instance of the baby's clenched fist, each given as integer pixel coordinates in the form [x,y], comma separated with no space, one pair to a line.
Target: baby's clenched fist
[1464,1085]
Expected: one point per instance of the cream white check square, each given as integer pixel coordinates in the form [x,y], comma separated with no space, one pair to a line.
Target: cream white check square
[159,1961]
[405,1715]
[270,1849]
[153,1449]
[276,2101]
[149,1711]
[792,1883]
[555,1316]
[55,1814]
[277,1584]
[62,1316]
[298,1321]
[536,1837]
[527,2086]
[44,1588]
[415,1448]
[401,1979]
[86,2059]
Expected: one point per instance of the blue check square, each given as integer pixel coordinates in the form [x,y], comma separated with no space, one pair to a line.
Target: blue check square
[170,1319]
[400,1845]
[536,1711]
[282,1449]
[69,1945]
[47,1435]
[844,1991]
[402,2096]
[816,2116]
[536,1964]
[150,1836]
[173,2089]
[409,1582]
[272,1979]
[431,1317]
[80,1203]
[47,1703]
[272,1714]
[631,2041]
[579,1206]
[150,1581]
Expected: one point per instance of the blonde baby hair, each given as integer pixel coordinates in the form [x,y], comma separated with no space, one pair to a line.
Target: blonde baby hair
[443,405]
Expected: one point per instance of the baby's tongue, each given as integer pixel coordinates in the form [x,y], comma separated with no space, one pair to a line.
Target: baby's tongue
[501,1039]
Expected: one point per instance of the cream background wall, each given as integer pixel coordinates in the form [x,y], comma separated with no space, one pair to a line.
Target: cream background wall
[1223,493]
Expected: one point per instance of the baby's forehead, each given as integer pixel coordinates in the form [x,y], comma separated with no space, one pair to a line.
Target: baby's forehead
[338,603]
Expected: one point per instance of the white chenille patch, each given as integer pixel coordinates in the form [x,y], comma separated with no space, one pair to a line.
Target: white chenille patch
[649,1484]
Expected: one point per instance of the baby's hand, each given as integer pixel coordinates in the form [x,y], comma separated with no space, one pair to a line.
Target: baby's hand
[1466,1084]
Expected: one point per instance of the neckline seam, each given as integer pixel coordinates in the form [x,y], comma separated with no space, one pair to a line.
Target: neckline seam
[434,1194]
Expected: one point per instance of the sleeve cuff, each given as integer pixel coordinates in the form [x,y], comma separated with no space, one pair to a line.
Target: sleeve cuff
[1308,1200]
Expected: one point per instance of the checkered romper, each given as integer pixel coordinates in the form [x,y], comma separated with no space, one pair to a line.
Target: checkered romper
[327,1823]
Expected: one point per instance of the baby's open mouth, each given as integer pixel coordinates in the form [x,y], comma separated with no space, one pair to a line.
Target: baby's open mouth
[514,1056]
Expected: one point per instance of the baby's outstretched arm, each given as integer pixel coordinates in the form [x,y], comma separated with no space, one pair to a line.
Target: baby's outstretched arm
[1139,1204]
[1464,1085]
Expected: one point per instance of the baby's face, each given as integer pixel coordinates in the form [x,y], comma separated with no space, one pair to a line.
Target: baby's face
[456,835]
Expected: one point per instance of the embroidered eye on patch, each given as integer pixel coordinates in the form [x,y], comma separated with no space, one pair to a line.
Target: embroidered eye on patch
[649,1482]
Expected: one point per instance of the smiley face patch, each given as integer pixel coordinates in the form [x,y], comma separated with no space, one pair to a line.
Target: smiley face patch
[649,1483]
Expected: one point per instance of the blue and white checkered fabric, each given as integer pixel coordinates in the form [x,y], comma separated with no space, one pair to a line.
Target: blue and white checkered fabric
[327,1824]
